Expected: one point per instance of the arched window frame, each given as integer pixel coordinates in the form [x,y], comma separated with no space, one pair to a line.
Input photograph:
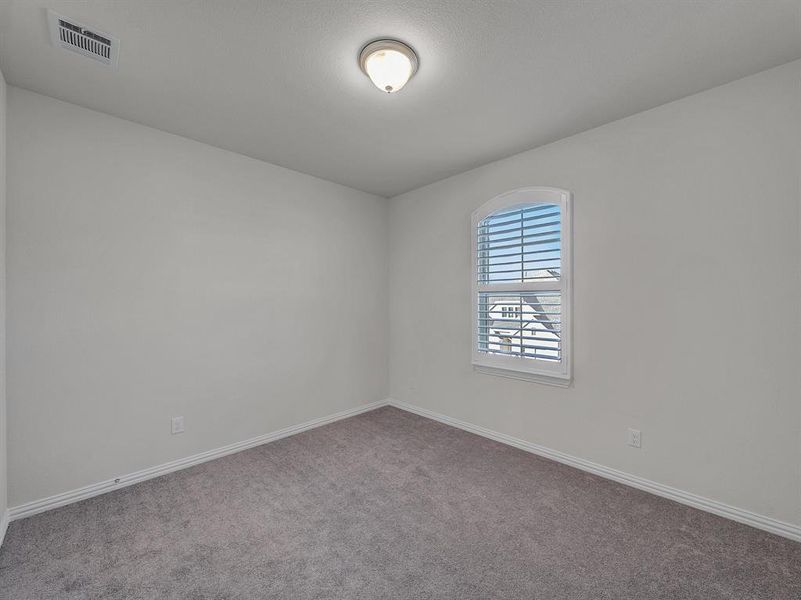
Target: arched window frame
[519,367]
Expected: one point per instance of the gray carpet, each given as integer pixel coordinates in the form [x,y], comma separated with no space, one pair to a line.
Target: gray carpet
[389,505]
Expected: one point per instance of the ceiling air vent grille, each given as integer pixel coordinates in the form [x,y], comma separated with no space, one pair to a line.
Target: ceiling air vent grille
[66,33]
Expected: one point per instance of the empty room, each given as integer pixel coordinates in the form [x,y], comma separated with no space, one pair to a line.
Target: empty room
[421,299]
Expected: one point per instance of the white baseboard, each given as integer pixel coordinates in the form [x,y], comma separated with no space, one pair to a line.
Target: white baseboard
[3,526]
[740,515]
[95,489]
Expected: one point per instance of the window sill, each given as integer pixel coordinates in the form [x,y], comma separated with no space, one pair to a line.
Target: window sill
[523,376]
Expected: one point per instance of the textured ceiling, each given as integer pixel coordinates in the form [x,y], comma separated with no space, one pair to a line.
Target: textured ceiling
[279,80]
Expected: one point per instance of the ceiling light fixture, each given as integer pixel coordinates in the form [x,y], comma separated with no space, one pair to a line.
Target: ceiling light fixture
[388,63]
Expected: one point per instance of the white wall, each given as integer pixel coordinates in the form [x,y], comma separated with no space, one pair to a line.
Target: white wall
[3,426]
[686,229]
[151,276]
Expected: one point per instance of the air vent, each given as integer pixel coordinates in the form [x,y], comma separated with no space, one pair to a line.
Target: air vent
[66,33]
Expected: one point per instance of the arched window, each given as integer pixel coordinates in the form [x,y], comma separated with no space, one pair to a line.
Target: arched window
[521,285]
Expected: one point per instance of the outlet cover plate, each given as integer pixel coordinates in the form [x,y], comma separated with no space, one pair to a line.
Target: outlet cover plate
[177,425]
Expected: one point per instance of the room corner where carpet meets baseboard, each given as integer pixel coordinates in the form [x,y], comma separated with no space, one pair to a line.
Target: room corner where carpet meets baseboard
[740,515]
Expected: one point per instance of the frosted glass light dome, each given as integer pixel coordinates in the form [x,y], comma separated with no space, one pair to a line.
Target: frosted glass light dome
[388,63]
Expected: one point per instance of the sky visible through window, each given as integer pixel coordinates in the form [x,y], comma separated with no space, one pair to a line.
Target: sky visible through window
[520,245]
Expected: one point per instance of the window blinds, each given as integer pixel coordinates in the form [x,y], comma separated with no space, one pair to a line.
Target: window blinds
[519,282]
[520,245]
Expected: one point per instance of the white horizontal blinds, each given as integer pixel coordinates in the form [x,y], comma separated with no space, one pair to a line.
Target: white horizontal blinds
[520,245]
[522,324]
[519,271]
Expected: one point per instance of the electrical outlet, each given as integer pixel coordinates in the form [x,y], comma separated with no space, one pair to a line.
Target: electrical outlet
[177,425]
[634,439]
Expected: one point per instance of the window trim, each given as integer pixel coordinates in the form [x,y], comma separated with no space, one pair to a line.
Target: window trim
[559,374]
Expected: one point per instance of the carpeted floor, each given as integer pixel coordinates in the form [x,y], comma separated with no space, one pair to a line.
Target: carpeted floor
[389,505]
